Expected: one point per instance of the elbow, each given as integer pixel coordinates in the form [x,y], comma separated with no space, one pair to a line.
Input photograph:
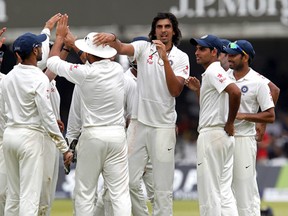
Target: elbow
[176,92]
[271,119]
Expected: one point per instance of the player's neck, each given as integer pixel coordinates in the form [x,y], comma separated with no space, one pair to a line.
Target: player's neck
[240,73]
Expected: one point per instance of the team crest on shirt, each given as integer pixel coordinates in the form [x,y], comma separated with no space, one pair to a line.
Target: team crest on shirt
[244,89]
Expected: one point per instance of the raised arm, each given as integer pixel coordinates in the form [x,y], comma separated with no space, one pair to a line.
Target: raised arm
[2,39]
[111,40]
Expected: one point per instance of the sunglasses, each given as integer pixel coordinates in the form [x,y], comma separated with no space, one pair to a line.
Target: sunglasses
[235,46]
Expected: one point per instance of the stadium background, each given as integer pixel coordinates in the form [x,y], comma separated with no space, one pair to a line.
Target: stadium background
[263,22]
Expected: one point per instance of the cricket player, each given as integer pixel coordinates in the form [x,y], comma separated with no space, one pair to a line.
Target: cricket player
[219,100]
[255,94]
[51,154]
[25,92]
[102,143]
[3,177]
[162,70]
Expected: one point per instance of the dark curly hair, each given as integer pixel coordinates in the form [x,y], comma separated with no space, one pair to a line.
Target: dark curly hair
[166,15]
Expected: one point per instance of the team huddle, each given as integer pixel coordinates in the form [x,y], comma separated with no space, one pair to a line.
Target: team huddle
[123,124]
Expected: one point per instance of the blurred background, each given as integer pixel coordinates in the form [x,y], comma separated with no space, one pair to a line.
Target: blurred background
[263,22]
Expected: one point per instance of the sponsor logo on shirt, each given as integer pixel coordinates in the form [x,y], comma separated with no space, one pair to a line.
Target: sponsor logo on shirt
[221,78]
[73,66]
[186,69]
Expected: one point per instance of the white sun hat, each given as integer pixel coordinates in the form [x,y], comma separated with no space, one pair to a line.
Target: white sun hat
[86,45]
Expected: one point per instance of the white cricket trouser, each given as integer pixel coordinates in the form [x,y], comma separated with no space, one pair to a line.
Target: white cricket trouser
[158,145]
[139,206]
[50,176]
[23,152]
[3,179]
[244,182]
[214,173]
[103,206]
[102,149]
[148,181]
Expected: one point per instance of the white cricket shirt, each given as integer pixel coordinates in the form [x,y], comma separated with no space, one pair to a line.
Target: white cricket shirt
[55,99]
[74,118]
[26,92]
[130,88]
[2,116]
[156,107]
[255,93]
[101,89]
[213,99]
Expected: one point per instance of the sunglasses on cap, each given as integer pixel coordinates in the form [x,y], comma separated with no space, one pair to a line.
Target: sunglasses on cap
[235,46]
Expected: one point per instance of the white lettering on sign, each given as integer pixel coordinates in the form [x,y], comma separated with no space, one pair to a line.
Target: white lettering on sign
[3,14]
[237,8]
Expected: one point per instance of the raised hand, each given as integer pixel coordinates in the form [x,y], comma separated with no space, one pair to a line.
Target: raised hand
[104,38]
[192,83]
[62,26]
[69,39]
[161,48]
[52,21]
[2,39]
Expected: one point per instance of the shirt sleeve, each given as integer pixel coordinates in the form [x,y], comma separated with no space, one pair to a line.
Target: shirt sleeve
[45,49]
[55,99]
[218,78]
[42,100]
[130,88]
[74,118]
[75,73]
[182,69]
[264,97]
[2,110]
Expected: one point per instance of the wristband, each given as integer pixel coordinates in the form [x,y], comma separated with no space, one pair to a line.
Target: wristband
[80,53]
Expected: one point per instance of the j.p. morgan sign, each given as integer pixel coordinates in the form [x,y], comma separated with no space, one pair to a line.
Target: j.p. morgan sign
[233,10]
[94,13]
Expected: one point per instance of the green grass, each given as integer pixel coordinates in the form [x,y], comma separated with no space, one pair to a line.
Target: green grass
[181,208]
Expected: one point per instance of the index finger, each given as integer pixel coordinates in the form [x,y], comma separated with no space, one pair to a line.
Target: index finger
[2,30]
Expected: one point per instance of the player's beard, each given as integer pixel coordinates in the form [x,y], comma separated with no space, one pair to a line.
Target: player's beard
[39,56]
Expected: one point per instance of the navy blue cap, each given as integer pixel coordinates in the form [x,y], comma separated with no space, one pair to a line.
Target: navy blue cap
[26,42]
[244,45]
[225,42]
[210,41]
[140,38]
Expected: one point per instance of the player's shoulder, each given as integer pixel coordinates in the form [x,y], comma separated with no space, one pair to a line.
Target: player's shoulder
[179,51]
[2,76]
[254,75]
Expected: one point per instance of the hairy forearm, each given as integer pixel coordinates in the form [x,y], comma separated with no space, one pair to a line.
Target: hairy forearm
[175,84]
[261,117]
